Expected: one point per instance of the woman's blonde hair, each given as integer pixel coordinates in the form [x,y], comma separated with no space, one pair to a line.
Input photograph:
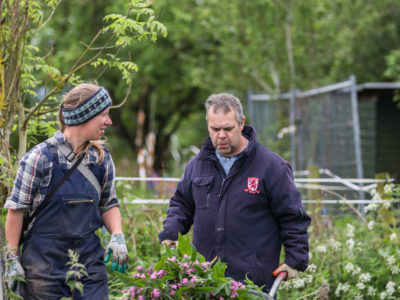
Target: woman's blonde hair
[72,99]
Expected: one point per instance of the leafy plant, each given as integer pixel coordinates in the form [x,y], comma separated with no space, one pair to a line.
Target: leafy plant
[183,273]
[75,273]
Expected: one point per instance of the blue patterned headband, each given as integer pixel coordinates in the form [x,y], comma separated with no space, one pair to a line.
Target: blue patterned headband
[88,109]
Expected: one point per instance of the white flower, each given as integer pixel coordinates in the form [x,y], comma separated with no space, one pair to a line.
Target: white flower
[387,204]
[342,287]
[390,288]
[358,296]
[298,283]
[390,260]
[360,286]
[356,270]
[382,296]
[334,244]
[365,277]
[321,248]
[371,224]
[395,271]
[393,237]
[308,279]
[373,192]
[286,285]
[371,207]
[376,197]
[371,291]
[350,243]
[350,231]
[312,268]
[349,267]
[388,188]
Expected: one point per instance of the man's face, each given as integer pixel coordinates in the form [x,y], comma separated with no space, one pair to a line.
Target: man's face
[225,131]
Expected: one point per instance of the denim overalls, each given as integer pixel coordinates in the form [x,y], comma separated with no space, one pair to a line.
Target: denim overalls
[68,221]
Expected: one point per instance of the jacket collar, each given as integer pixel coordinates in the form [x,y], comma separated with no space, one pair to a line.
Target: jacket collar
[208,150]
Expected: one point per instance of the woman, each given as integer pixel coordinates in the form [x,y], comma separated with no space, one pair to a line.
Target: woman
[77,208]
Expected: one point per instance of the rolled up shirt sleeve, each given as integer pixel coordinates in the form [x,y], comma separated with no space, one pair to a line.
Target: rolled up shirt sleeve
[108,195]
[33,173]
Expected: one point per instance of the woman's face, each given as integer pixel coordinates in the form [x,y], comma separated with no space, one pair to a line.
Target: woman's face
[95,128]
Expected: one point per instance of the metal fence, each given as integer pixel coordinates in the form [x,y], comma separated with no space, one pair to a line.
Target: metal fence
[329,184]
[322,125]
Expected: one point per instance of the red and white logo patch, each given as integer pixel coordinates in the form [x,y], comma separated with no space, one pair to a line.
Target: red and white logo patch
[252,185]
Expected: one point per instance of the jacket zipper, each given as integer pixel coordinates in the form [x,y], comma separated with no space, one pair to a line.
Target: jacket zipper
[80,201]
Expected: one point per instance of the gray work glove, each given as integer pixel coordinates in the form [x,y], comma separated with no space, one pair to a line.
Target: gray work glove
[117,249]
[291,273]
[14,268]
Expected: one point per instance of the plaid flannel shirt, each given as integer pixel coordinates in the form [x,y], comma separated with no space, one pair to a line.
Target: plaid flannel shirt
[35,171]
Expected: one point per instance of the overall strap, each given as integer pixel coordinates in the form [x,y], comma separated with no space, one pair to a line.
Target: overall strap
[66,151]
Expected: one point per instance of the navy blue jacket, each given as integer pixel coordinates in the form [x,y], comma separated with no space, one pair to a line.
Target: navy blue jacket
[243,217]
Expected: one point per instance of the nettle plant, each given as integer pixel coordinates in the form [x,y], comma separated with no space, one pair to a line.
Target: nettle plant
[183,273]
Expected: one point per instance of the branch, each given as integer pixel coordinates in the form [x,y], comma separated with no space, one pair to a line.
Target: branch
[43,112]
[127,94]
[264,85]
[76,66]
[48,19]
[65,79]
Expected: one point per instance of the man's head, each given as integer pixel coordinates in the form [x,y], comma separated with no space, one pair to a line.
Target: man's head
[225,119]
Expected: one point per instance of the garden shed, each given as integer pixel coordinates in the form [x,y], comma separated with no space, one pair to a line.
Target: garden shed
[351,129]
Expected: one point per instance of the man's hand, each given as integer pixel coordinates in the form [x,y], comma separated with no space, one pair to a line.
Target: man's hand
[117,248]
[170,243]
[292,273]
[14,269]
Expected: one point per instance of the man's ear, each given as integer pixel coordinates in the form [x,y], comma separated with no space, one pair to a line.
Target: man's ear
[242,123]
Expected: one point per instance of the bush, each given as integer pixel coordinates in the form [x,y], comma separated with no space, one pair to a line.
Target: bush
[183,273]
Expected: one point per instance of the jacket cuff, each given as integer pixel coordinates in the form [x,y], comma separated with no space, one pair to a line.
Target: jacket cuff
[168,235]
[300,266]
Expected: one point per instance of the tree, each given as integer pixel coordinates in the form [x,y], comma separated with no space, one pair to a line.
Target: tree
[26,67]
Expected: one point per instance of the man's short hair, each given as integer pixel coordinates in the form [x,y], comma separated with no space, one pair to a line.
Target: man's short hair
[224,102]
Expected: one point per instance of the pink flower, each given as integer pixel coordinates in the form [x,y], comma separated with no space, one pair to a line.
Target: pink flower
[185,255]
[172,292]
[153,275]
[123,291]
[156,293]
[174,286]
[139,268]
[194,279]
[143,276]
[141,298]
[185,280]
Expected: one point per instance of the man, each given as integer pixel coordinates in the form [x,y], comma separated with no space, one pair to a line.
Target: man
[241,200]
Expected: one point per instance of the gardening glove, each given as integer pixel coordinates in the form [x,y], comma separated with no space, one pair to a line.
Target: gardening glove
[170,243]
[14,269]
[117,248]
[291,273]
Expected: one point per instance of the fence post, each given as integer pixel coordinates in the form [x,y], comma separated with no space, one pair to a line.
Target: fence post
[316,208]
[357,142]
[293,132]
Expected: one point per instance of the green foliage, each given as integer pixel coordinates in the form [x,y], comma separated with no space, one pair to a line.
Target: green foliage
[74,274]
[183,272]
